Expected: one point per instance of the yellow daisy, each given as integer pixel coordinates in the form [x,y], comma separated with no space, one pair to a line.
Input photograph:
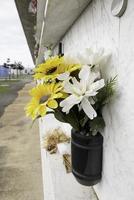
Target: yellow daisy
[54,67]
[38,76]
[43,96]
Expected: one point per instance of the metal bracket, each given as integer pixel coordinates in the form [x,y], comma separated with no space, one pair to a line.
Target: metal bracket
[61,53]
[118,7]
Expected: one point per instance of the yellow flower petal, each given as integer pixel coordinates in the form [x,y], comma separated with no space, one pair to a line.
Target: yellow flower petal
[58,95]
[38,76]
[42,110]
[64,95]
[52,104]
[43,95]
[53,67]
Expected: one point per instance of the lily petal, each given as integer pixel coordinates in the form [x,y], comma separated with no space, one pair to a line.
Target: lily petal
[64,76]
[69,102]
[68,88]
[94,87]
[88,109]
[84,72]
[98,85]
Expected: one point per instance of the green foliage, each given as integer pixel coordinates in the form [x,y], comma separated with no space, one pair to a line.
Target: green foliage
[39,116]
[105,94]
[83,121]
[4,89]
[97,124]
[8,82]
[70,118]
[59,115]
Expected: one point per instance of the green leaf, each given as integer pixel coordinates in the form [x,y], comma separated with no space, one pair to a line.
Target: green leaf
[39,116]
[105,94]
[97,124]
[60,116]
[50,112]
[70,118]
[84,120]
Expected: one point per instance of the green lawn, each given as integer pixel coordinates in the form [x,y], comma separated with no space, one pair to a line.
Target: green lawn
[15,79]
[4,89]
[5,85]
[6,82]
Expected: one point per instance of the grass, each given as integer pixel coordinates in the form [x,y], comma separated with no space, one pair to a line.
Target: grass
[5,85]
[16,79]
[2,82]
[8,81]
[4,89]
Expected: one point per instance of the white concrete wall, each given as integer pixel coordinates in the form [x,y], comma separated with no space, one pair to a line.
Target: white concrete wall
[98,27]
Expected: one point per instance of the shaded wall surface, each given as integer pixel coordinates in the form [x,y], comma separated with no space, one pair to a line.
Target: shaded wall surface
[97,27]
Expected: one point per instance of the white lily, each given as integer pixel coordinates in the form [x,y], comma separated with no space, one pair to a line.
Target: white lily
[81,92]
[63,77]
[92,57]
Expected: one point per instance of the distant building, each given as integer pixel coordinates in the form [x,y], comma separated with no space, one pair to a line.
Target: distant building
[4,71]
[13,70]
[27,71]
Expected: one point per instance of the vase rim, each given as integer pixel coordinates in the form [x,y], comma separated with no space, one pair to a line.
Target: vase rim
[77,133]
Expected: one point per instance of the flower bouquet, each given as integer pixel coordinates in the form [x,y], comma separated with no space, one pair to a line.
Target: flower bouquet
[74,90]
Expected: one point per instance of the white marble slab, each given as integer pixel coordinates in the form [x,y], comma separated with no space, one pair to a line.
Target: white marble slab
[58,185]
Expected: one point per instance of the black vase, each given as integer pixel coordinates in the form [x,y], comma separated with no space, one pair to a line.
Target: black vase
[86,154]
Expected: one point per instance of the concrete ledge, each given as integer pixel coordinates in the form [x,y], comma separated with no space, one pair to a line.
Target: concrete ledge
[59,185]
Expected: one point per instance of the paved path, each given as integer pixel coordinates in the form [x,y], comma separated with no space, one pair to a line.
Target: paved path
[20,164]
[8,97]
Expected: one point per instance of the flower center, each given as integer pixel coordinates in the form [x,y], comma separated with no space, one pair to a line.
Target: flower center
[50,71]
[44,99]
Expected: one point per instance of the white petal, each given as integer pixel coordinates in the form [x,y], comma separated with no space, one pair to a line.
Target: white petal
[94,87]
[84,72]
[88,51]
[88,109]
[76,86]
[68,87]
[79,107]
[90,93]
[66,109]
[96,56]
[93,77]
[75,82]
[91,100]
[69,59]
[69,102]
[72,99]
[98,85]
[84,76]
[63,76]
[82,59]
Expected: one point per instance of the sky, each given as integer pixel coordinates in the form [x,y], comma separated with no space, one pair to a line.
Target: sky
[13,43]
